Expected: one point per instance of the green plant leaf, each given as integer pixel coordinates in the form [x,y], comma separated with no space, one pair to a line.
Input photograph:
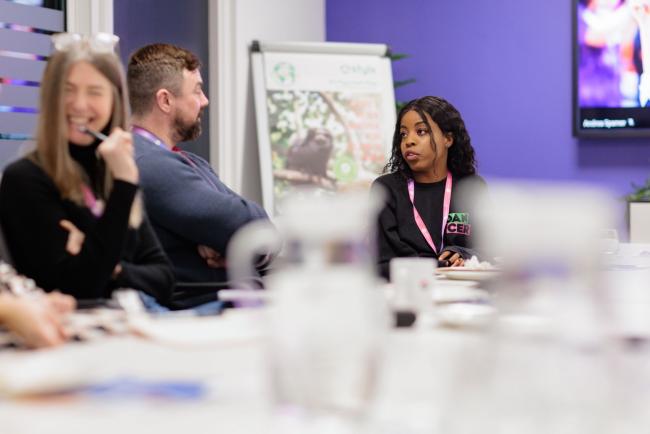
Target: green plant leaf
[400,83]
[641,193]
[398,56]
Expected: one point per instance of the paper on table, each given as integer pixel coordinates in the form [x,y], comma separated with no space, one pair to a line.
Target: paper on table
[45,371]
[228,328]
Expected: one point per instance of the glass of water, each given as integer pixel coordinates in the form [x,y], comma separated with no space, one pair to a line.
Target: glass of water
[608,242]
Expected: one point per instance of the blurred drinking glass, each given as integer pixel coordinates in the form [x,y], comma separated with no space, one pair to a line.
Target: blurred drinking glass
[326,317]
[608,241]
[413,279]
[543,363]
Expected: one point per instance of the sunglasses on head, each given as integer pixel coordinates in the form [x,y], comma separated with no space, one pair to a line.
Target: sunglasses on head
[98,42]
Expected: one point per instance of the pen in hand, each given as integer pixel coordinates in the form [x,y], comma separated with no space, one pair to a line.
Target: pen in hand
[95,134]
[120,152]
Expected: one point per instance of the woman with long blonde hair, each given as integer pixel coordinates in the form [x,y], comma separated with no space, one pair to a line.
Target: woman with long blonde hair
[70,210]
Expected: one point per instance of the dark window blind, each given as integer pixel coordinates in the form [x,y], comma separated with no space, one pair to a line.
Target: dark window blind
[25,29]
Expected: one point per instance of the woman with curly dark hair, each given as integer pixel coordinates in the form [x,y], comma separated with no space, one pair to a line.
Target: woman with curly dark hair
[431,169]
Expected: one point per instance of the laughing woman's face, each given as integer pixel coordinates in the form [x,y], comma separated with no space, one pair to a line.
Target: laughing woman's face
[88,101]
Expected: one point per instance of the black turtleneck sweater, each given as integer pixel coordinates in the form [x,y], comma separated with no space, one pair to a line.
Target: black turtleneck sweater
[31,209]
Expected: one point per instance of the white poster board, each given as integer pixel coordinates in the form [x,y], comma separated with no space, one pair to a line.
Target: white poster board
[325,116]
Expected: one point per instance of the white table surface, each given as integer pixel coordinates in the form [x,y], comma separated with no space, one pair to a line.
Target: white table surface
[425,371]
[235,372]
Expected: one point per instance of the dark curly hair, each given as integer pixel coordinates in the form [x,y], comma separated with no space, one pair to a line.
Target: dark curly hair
[460,158]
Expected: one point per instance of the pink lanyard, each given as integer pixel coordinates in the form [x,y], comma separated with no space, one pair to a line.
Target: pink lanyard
[156,140]
[445,212]
[148,135]
[96,206]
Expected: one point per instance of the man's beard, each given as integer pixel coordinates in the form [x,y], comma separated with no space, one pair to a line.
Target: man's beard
[185,132]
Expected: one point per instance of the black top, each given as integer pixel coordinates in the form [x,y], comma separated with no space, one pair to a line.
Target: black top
[398,234]
[428,201]
[31,209]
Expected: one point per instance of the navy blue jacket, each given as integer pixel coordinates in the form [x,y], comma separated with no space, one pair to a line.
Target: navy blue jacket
[188,205]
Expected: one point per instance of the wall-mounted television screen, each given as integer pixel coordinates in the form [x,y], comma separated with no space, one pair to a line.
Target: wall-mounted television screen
[611,68]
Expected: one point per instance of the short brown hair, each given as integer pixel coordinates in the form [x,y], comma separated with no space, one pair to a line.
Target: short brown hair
[154,67]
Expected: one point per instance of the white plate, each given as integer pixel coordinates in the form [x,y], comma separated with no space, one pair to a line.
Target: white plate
[443,281]
[461,273]
[455,294]
[465,314]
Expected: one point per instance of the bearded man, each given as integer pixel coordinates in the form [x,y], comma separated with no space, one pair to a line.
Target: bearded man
[194,214]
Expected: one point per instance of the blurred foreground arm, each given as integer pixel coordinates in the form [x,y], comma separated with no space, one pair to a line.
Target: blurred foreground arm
[37,321]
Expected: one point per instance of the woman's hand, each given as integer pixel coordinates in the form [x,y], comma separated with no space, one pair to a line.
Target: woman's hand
[73,246]
[212,258]
[75,237]
[454,259]
[61,303]
[33,320]
[117,151]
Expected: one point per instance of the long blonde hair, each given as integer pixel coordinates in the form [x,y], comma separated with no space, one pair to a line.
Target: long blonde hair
[52,150]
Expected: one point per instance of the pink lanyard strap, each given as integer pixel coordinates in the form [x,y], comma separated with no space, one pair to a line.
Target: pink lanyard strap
[156,140]
[194,166]
[148,135]
[95,206]
[445,212]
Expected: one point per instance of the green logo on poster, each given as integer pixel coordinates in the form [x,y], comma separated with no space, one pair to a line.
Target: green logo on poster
[284,73]
[345,168]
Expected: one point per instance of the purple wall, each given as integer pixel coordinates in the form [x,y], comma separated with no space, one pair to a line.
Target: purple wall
[506,65]
[183,23]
